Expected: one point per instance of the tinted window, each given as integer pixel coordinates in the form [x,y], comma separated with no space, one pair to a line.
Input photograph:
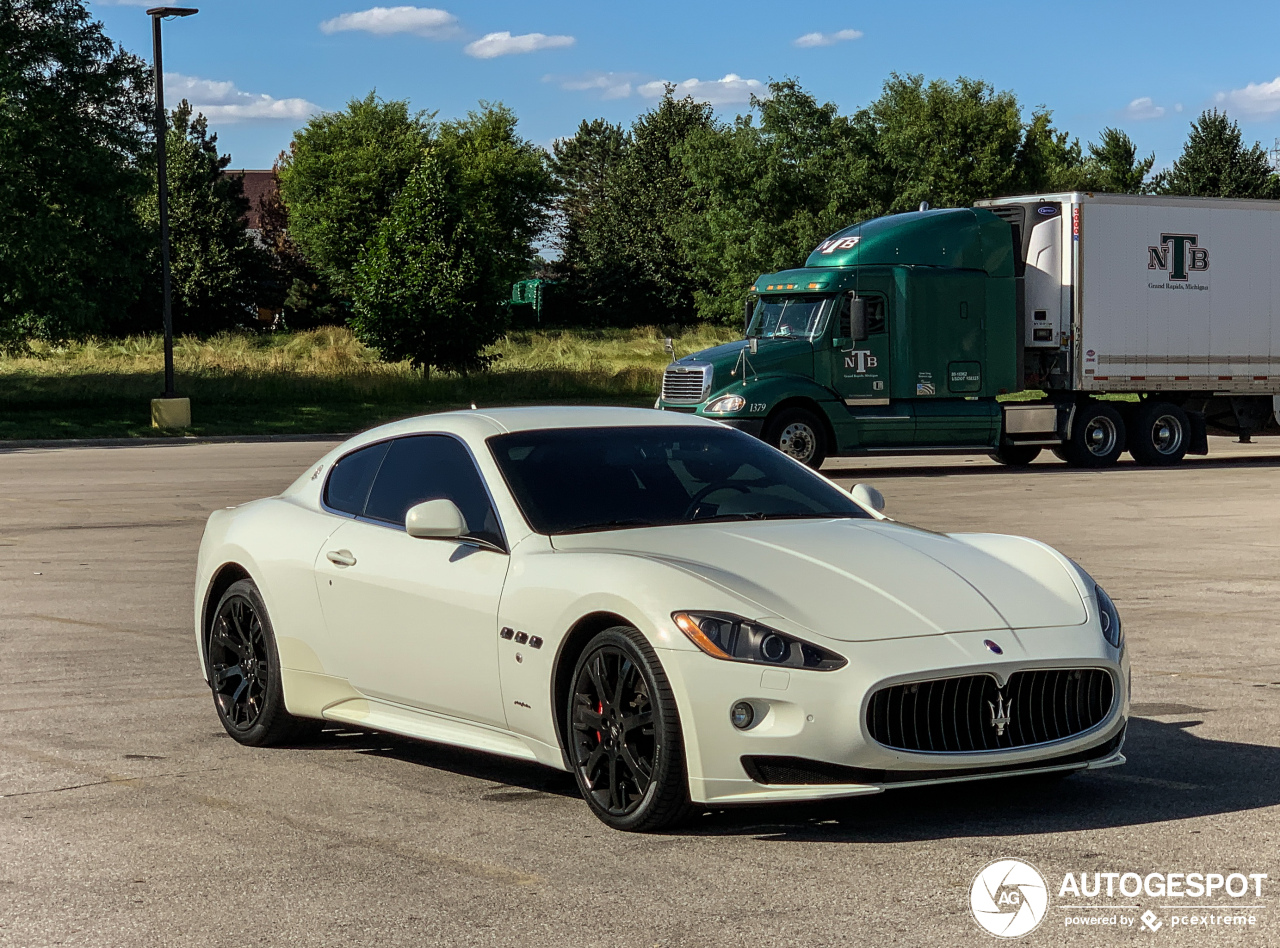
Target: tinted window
[875,316]
[575,480]
[348,484]
[428,467]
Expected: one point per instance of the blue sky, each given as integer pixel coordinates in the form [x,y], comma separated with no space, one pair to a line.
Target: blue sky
[259,68]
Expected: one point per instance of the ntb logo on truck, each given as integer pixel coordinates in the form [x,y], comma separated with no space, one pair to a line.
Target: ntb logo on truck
[1178,254]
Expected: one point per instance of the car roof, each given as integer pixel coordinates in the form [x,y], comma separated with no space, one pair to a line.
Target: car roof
[480,423]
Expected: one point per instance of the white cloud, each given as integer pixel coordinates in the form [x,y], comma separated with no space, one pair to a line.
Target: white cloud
[810,40]
[385,21]
[223,103]
[609,85]
[1257,99]
[1142,109]
[492,45]
[731,90]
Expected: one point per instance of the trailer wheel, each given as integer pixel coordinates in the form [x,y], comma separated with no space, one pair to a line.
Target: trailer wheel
[1161,434]
[1097,436]
[1016,455]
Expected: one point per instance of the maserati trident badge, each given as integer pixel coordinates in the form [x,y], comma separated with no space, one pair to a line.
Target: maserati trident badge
[1000,714]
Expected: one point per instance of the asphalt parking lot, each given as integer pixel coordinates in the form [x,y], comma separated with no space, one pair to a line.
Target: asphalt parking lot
[127,817]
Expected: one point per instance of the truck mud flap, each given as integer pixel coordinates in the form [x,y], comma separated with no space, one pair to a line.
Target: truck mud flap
[1198,443]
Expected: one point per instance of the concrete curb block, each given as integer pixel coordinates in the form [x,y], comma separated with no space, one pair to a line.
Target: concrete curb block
[177,440]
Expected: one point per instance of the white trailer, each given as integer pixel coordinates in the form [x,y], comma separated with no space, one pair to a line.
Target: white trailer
[1176,299]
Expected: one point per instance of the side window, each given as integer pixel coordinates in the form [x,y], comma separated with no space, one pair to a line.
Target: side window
[428,467]
[875,316]
[347,488]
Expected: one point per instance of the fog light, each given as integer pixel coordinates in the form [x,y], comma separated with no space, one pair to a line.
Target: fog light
[742,715]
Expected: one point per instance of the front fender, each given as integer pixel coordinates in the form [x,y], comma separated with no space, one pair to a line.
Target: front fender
[546,595]
[762,394]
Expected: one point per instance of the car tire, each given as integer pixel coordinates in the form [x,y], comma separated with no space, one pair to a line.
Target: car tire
[1160,434]
[1097,436]
[629,767]
[243,665]
[1016,455]
[798,433]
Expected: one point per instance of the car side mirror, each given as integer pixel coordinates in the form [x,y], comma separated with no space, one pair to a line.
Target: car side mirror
[858,320]
[868,496]
[438,519]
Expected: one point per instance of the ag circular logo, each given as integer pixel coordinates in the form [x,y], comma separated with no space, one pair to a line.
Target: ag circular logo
[1009,898]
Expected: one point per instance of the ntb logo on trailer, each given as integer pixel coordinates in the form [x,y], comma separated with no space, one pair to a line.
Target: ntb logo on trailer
[1178,254]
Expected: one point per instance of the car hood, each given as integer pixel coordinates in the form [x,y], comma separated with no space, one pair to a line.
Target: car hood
[860,580]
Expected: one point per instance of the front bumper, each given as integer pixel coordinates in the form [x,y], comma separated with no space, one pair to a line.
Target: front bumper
[811,724]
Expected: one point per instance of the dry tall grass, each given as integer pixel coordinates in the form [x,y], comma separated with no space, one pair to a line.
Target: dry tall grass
[330,364]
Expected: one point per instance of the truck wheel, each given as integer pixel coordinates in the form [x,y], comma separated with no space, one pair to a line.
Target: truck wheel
[1160,435]
[1016,455]
[1097,436]
[800,434]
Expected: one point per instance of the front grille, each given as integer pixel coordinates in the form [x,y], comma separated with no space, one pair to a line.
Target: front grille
[959,715]
[686,382]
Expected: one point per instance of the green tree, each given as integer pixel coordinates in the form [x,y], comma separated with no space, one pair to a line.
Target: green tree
[1215,163]
[341,176]
[771,192]
[1113,165]
[631,263]
[954,143]
[73,109]
[505,188]
[433,283]
[582,166]
[219,273]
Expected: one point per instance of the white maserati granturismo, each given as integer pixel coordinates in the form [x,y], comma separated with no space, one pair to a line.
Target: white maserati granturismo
[674,612]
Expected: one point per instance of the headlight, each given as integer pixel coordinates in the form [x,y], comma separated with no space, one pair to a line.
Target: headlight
[736,639]
[725,404]
[1109,618]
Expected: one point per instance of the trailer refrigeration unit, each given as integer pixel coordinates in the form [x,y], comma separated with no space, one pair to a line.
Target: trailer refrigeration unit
[901,333]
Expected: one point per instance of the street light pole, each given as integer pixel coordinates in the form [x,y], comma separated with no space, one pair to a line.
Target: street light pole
[162,181]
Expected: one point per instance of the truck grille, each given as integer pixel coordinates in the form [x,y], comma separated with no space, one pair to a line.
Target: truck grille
[686,382]
[962,715]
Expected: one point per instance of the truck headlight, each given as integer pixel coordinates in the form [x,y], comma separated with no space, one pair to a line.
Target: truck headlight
[726,404]
[736,639]
[1109,617]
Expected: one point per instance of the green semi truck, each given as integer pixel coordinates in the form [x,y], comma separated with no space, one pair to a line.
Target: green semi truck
[901,334]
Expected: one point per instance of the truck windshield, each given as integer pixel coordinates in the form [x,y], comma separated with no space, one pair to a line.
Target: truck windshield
[801,316]
[582,480]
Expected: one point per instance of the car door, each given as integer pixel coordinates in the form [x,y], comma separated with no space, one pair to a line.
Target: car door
[416,619]
[861,376]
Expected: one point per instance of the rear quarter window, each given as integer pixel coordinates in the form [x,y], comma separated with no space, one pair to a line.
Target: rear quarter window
[347,489]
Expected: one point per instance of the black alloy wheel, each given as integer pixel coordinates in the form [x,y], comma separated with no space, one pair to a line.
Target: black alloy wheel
[244,671]
[624,734]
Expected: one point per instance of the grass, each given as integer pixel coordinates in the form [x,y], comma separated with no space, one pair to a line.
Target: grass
[320,381]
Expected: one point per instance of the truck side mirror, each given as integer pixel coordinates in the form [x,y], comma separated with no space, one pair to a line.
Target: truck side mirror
[858,319]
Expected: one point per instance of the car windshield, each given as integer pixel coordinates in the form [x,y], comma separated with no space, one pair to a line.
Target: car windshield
[579,480]
[800,316]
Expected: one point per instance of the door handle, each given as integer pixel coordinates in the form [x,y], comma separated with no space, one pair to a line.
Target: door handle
[341,558]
